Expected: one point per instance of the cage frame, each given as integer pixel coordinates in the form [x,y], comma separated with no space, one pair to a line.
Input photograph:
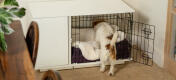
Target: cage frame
[89,64]
[131,22]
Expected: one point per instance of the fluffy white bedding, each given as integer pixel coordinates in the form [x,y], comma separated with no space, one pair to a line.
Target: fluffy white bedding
[90,50]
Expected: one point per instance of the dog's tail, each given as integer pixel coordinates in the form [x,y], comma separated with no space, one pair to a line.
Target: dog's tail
[114,39]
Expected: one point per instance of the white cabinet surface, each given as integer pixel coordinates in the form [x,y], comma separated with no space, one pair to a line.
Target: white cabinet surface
[77,7]
[53,42]
[55,35]
[45,0]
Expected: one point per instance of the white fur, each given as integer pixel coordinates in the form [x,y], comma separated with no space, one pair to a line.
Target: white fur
[103,30]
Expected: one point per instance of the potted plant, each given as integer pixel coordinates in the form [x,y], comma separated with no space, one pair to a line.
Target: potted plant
[9,9]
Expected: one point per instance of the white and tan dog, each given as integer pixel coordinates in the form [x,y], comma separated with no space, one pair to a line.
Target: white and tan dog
[103,46]
[106,36]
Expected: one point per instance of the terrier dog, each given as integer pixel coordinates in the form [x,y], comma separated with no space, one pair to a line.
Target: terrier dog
[106,36]
[105,49]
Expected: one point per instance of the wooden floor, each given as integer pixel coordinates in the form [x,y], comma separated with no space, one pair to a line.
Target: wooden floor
[128,71]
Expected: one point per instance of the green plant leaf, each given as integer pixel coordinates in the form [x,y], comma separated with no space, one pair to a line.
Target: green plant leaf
[5,17]
[3,44]
[19,12]
[5,12]
[7,29]
[3,20]
[11,3]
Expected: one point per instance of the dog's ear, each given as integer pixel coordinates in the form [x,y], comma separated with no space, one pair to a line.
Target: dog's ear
[97,22]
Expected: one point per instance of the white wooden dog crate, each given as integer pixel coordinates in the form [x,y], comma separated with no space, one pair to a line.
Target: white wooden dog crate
[54,19]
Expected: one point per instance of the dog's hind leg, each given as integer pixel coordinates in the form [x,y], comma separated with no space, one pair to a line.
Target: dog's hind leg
[112,65]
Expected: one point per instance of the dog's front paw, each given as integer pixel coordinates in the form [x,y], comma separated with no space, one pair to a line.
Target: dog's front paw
[111,73]
[102,69]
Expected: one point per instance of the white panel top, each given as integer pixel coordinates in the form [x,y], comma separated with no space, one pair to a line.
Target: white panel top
[77,7]
[45,0]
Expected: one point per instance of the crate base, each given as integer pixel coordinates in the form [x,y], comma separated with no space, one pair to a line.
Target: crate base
[81,65]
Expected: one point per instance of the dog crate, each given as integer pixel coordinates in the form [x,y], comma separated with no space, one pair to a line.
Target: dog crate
[82,27]
[73,21]
[137,44]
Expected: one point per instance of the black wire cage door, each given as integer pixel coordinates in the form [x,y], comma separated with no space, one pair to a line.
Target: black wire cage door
[142,49]
[140,37]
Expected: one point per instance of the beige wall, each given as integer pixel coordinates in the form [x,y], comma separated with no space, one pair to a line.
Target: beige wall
[153,12]
[26,20]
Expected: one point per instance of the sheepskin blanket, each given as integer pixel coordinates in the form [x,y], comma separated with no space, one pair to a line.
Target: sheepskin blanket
[90,50]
